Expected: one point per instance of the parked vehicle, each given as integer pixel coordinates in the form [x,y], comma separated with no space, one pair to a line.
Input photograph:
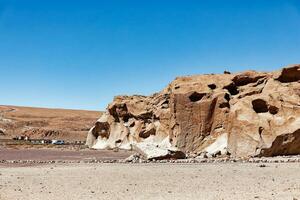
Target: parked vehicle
[58,142]
[47,141]
[21,137]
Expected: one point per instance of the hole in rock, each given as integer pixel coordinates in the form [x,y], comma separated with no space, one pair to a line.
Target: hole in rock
[196,96]
[144,134]
[103,133]
[224,105]
[232,89]
[260,106]
[165,102]
[227,97]
[212,86]
[241,80]
[126,118]
[132,124]
[260,130]
[118,141]
[273,110]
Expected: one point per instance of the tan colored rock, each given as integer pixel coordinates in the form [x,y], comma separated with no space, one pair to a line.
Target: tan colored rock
[244,114]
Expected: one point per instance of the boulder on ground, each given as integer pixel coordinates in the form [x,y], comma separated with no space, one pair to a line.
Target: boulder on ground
[243,114]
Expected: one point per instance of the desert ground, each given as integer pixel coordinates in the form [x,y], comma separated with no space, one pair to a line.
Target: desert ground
[61,154]
[45,123]
[151,181]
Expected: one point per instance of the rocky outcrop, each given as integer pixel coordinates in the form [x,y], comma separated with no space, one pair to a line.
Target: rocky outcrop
[244,114]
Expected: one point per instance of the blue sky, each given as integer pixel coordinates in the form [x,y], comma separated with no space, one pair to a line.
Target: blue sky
[79,54]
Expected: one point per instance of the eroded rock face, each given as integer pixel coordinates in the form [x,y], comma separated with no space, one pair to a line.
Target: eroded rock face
[245,114]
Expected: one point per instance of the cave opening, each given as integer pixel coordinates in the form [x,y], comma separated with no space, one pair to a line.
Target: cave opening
[195,96]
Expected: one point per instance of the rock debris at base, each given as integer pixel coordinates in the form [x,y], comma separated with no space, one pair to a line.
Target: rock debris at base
[137,159]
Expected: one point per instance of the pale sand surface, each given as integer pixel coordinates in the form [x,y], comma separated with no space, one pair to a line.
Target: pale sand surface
[151,181]
[61,154]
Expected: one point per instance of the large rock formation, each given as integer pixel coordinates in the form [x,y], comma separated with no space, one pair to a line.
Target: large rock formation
[244,114]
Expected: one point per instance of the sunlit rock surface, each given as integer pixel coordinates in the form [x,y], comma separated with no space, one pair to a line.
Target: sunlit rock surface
[244,114]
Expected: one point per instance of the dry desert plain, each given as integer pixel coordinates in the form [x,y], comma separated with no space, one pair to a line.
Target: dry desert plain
[209,181]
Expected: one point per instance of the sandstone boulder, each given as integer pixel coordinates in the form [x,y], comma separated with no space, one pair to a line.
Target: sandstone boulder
[243,114]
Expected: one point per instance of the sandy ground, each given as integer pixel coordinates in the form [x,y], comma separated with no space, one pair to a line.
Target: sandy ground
[152,181]
[61,154]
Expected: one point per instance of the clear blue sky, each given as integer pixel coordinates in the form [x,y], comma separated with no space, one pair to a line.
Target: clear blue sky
[79,54]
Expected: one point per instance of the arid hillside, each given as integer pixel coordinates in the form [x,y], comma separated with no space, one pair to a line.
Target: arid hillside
[41,123]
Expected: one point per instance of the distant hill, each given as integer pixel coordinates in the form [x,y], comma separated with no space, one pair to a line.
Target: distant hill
[38,123]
